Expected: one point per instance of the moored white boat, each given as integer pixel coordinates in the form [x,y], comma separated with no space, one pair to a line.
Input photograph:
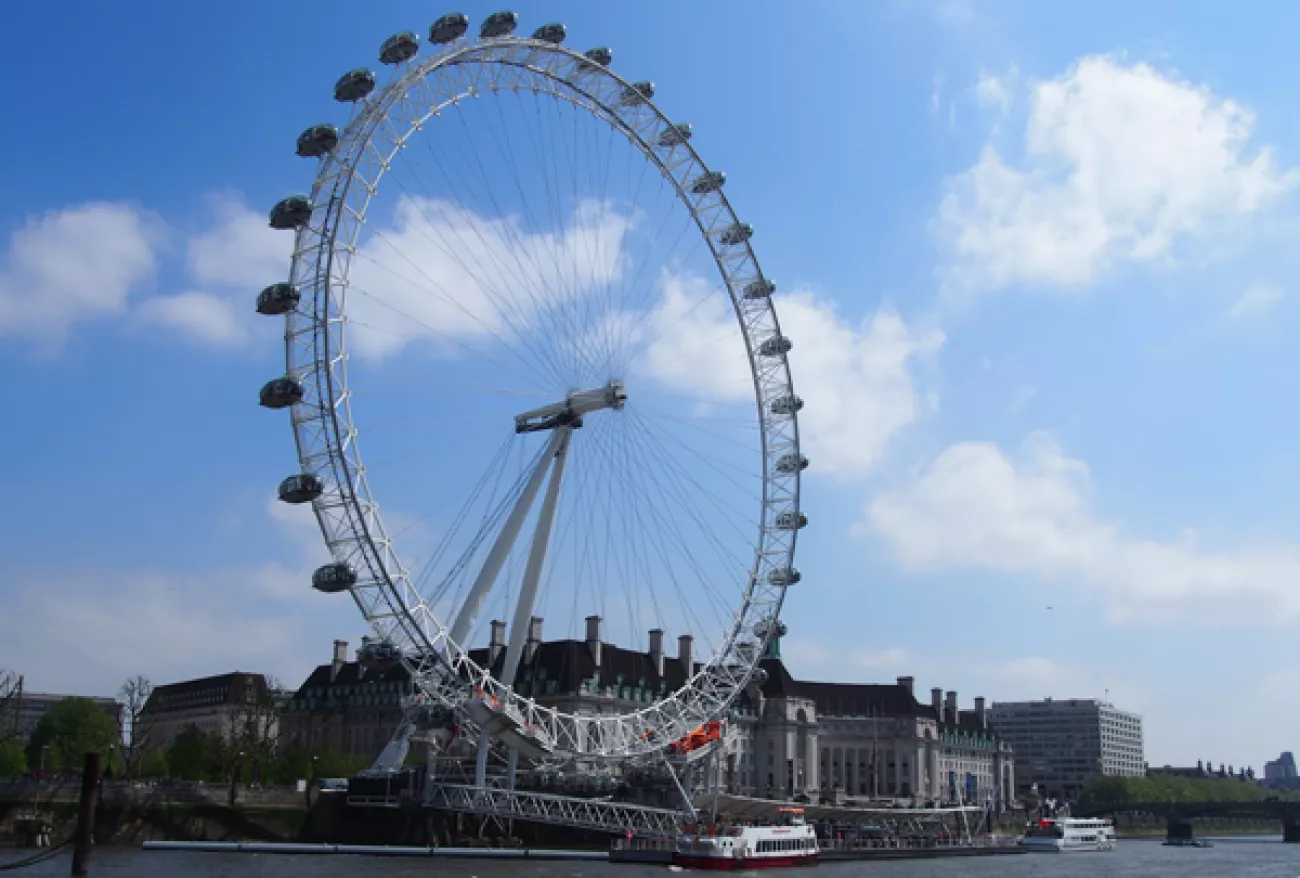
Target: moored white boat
[1067,834]
[788,842]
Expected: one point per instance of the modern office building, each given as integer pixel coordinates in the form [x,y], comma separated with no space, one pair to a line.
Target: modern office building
[31,706]
[1280,773]
[1059,744]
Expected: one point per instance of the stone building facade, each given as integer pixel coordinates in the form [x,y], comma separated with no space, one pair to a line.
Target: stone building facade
[217,705]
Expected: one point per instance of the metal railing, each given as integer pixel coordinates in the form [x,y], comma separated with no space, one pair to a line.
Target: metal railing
[614,817]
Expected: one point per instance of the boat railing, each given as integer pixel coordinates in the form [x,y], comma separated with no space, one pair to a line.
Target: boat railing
[644,844]
[905,843]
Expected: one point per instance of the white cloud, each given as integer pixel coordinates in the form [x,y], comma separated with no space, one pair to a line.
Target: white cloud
[73,265]
[202,315]
[1257,299]
[856,381]
[974,507]
[1120,160]
[891,659]
[240,251]
[447,273]
[995,91]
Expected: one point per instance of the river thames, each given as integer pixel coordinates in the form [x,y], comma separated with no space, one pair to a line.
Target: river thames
[1258,857]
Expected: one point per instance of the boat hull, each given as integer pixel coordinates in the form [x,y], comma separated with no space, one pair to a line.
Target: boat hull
[692,861]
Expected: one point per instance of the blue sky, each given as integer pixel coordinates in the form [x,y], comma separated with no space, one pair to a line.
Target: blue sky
[1038,257]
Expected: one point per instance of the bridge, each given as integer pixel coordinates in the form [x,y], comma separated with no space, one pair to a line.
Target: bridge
[1178,815]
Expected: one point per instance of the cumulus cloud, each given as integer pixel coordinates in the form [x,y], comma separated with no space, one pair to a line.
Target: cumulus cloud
[975,507]
[1257,299]
[441,272]
[855,376]
[1119,161]
[239,251]
[995,91]
[71,266]
[204,316]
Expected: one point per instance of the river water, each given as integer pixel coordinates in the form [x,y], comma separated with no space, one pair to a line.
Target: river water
[1258,857]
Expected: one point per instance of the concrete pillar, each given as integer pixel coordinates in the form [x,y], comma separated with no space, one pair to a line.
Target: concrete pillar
[1291,828]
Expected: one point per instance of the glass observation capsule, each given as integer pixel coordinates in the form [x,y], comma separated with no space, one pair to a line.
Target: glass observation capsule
[791,521]
[378,655]
[675,135]
[637,93]
[550,33]
[736,233]
[775,346]
[499,24]
[759,289]
[784,576]
[759,677]
[791,463]
[399,47]
[786,405]
[354,85]
[333,578]
[301,488]
[449,28]
[278,298]
[290,213]
[280,393]
[317,140]
[597,57]
[710,181]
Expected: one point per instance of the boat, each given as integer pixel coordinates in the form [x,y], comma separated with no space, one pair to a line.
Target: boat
[788,841]
[1065,834]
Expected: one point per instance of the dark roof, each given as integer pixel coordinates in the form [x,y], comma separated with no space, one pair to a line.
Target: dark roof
[843,699]
[349,674]
[571,664]
[221,689]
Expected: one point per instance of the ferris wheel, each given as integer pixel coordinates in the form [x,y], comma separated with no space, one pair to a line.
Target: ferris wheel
[519,288]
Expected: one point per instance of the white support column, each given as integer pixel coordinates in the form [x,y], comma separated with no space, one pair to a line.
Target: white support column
[505,540]
[536,559]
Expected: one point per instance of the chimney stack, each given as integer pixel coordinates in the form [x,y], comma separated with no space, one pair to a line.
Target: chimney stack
[981,711]
[657,650]
[936,701]
[534,638]
[593,638]
[684,644]
[497,645]
[340,658]
[908,684]
[950,706]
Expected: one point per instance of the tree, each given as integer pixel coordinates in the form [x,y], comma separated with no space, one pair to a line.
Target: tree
[11,693]
[138,738]
[13,761]
[68,731]
[189,757]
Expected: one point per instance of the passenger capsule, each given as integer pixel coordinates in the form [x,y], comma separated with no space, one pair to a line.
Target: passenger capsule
[334,578]
[290,213]
[789,464]
[784,576]
[597,57]
[759,677]
[278,298]
[317,140]
[775,346]
[759,289]
[675,135]
[791,521]
[399,47]
[301,488]
[550,33]
[280,393]
[637,93]
[786,405]
[354,85]
[710,181]
[736,233]
[378,655]
[499,24]
[772,627]
[450,27]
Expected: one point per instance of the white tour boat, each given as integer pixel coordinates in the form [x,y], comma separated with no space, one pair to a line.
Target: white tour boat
[1069,834]
[790,841]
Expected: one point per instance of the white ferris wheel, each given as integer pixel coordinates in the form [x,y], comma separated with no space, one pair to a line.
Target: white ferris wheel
[517,286]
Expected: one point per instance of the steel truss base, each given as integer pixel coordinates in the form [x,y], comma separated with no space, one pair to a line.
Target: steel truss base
[614,817]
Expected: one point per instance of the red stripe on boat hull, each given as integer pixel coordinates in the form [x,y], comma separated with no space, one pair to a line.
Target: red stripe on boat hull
[687,861]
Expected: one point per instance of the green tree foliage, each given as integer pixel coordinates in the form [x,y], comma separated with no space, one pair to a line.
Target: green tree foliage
[189,756]
[1111,790]
[71,729]
[296,762]
[153,764]
[13,761]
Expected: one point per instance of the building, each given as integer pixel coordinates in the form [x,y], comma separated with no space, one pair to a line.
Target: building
[1280,773]
[345,707]
[222,705]
[1059,744]
[31,706]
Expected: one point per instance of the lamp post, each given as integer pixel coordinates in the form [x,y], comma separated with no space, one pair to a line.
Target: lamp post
[311,780]
[40,775]
[234,777]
